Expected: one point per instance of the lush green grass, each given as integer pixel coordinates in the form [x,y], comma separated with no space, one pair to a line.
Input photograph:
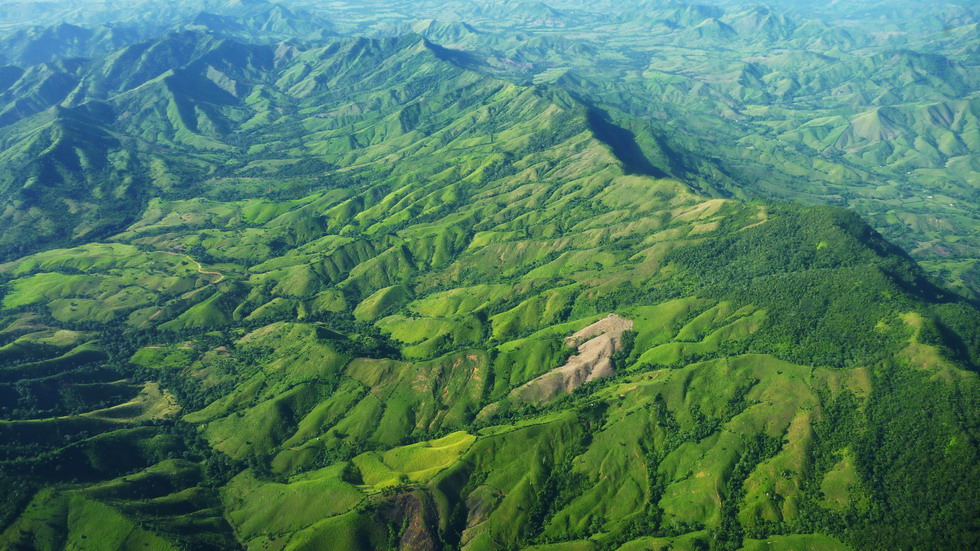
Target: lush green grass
[257,507]
[340,260]
[415,463]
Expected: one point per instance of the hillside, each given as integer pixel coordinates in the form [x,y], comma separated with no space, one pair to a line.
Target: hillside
[726,91]
[735,91]
[395,325]
[380,292]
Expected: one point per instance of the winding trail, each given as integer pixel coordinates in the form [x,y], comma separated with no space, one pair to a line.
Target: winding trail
[200,270]
[200,267]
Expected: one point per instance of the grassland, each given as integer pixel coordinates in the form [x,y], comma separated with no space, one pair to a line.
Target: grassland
[321,340]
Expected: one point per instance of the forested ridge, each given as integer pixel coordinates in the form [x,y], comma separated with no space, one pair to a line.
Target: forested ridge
[281,277]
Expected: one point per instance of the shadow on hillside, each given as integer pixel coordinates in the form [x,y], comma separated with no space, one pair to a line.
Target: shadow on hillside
[623,144]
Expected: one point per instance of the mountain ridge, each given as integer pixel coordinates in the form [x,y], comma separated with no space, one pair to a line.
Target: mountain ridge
[306,296]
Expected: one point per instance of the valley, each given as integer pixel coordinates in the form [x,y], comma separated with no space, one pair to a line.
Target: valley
[499,275]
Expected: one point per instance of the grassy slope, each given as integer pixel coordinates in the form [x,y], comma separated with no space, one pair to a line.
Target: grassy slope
[366,334]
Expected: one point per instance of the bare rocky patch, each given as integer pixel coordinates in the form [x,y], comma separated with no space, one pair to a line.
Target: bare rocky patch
[596,344]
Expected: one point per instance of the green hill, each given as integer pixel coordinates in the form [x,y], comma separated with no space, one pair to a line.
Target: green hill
[377,293]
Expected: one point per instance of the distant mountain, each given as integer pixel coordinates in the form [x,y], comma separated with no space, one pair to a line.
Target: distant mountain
[192,96]
[802,86]
[526,13]
[37,45]
[499,275]
[276,23]
[253,21]
[778,90]
[761,23]
[710,29]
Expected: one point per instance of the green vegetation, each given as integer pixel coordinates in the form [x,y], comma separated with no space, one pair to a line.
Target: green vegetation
[477,290]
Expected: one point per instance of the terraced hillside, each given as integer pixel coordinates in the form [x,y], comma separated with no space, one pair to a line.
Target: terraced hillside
[378,293]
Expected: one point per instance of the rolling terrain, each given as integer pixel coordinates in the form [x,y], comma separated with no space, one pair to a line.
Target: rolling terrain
[418,292]
[814,102]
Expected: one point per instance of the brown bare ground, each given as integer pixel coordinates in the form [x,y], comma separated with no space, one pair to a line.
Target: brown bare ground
[597,344]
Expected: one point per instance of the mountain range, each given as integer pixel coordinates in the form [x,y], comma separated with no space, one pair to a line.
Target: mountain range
[495,275]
